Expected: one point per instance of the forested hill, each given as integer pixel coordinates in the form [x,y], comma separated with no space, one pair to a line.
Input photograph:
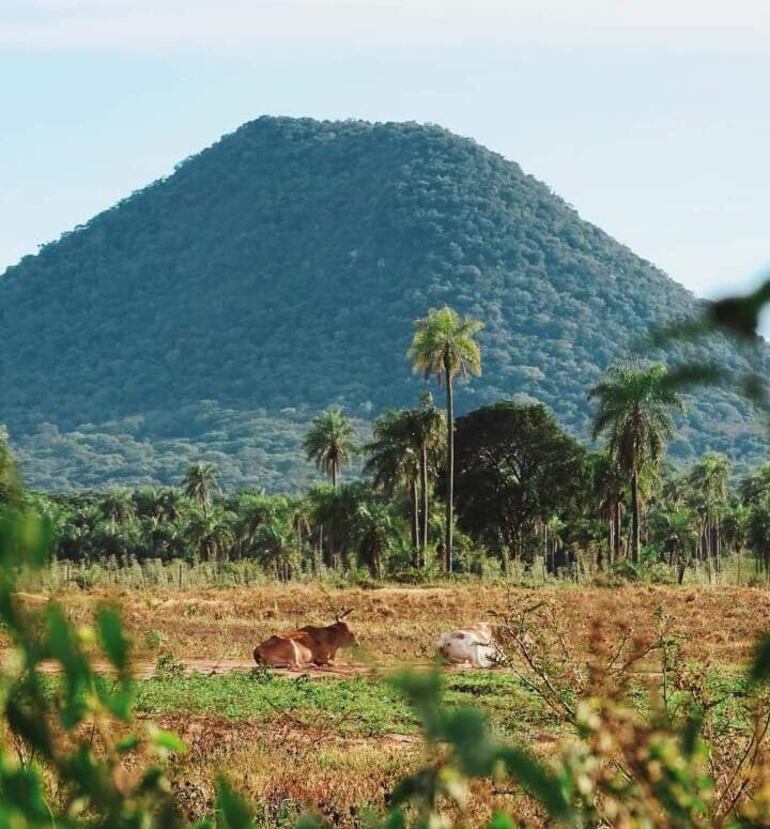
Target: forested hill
[212,313]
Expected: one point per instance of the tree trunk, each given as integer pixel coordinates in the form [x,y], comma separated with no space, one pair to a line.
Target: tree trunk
[335,475]
[617,531]
[415,517]
[450,457]
[707,546]
[424,470]
[635,535]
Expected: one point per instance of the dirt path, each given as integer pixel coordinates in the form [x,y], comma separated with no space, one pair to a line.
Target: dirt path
[217,667]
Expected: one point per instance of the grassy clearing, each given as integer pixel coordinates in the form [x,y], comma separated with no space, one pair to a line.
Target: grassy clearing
[356,706]
[361,706]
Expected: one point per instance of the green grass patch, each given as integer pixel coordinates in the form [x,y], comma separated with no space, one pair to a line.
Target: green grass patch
[363,705]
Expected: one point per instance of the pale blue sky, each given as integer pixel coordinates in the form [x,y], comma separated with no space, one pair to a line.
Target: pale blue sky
[652,119]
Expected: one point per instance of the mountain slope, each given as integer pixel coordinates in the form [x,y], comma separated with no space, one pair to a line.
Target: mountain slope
[280,270]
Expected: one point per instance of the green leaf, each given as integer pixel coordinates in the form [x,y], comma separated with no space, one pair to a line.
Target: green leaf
[396,819]
[167,741]
[72,712]
[64,646]
[466,730]
[126,744]
[118,702]
[233,812]
[501,821]
[690,733]
[25,539]
[90,777]
[760,667]
[28,724]
[114,642]
[740,314]
[422,785]
[151,780]
[539,782]
[422,690]
[22,788]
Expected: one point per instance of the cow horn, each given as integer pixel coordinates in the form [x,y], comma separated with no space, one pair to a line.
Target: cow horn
[344,614]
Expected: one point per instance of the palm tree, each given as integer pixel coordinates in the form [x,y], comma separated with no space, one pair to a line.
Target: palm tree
[403,453]
[330,443]
[429,431]
[374,527]
[211,534]
[607,483]
[199,482]
[277,545]
[444,347]
[709,478]
[117,507]
[676,526]
[168,504]
[735,529]
[755,487]
[394,459]
[634,405]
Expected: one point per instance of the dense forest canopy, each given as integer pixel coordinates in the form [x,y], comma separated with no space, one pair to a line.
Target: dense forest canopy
[211,315]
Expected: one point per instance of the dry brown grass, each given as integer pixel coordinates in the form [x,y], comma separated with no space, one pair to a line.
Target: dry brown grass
[284,769]
[400,624]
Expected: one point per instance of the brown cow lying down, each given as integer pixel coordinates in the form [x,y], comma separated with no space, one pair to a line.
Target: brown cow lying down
[306,646]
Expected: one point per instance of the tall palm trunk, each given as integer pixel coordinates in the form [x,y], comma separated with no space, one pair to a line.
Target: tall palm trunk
[618,535]
[707,547]
[333,561]
[450,458]
[635,534]
[424,471]
[415,522]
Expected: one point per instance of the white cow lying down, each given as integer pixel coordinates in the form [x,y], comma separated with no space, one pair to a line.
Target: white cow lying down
[474,644]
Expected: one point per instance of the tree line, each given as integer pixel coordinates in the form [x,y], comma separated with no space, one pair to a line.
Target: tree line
[500,484]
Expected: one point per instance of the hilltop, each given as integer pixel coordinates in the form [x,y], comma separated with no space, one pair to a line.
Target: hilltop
[211,314]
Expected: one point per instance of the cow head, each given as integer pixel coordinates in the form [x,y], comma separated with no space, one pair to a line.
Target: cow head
[343,633]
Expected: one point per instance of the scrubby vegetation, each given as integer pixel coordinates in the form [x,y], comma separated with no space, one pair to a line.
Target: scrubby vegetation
[212,315]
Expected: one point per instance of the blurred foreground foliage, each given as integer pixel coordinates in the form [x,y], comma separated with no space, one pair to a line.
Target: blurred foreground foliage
[68,738]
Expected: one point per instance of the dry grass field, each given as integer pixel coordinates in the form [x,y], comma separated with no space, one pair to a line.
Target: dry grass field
[333,741]
[397,625]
